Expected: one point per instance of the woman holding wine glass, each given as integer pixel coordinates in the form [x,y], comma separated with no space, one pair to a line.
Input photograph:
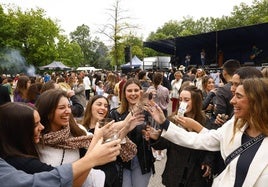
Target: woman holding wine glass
[97,110]
[138,171]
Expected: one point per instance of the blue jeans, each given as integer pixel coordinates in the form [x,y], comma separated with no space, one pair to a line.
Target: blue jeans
[134,177]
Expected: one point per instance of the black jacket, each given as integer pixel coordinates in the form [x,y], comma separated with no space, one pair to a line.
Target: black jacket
[183,165]
[4,95]
[144,152]
[29,165]
[223,98]
[76,107]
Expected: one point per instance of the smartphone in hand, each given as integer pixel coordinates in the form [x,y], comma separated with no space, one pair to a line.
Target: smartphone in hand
[182,108]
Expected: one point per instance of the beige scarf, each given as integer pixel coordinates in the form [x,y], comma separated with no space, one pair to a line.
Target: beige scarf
[63,139]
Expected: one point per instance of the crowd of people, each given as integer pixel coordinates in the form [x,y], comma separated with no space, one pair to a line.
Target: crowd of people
[50,133]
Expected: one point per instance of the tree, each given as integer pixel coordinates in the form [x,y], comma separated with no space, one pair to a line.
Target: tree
[7,32]
[135,43]
[31,34]
[82,36]
[116,30]
[34,40]
[101,55]
[95,52]
[69,53]
[35,35]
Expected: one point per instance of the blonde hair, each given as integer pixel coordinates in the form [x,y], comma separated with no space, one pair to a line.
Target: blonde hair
[178,73]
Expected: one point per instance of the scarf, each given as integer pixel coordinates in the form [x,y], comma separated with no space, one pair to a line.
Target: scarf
[63,139]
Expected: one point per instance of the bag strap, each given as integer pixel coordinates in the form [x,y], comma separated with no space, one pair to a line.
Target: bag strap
[243,148]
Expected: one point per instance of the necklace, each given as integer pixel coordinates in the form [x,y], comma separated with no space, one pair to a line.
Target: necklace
[63,154]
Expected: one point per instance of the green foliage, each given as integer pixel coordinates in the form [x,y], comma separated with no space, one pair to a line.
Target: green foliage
[100,55]
[38,38]
[82,36]
[135,43]
[31,34]
[94,52]
[69,53]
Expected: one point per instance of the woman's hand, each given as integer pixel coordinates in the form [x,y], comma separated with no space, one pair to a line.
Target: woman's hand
[151,133]
[155,111]
[209,107]
[188,123]
[133,121]
[130,122]
[104,153]
[104,131]
[221,119]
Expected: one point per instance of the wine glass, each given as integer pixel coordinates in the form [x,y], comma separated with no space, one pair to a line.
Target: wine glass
[113,135]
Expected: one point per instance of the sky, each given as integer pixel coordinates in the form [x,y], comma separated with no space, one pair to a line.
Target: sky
[147,14]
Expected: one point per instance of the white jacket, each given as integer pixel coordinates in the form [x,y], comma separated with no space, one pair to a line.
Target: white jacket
[176,85]
[221,139]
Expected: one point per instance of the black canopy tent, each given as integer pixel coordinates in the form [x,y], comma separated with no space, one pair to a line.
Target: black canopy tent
[234,43]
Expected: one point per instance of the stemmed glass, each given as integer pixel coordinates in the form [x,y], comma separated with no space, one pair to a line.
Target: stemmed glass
[111,135]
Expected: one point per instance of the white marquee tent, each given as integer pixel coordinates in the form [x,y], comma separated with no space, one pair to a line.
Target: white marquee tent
[55,65]
[135,63]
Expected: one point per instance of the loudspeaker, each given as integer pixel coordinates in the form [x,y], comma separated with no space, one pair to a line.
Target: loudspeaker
[127,54]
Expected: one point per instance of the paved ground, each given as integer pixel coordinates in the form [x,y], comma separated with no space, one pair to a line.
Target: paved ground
[156,179]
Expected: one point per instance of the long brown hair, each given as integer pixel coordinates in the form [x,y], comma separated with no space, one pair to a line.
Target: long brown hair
[256,90]
[157,79]
[46,106]
[196,97]
[17,130]
[34,92]
[88,111]
[21,87]
[124,103]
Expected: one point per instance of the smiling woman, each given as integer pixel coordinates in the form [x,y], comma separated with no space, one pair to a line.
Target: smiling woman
[20,130]
[136,172]
[63,141]
[97,109]
[23,122]
[248,127]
